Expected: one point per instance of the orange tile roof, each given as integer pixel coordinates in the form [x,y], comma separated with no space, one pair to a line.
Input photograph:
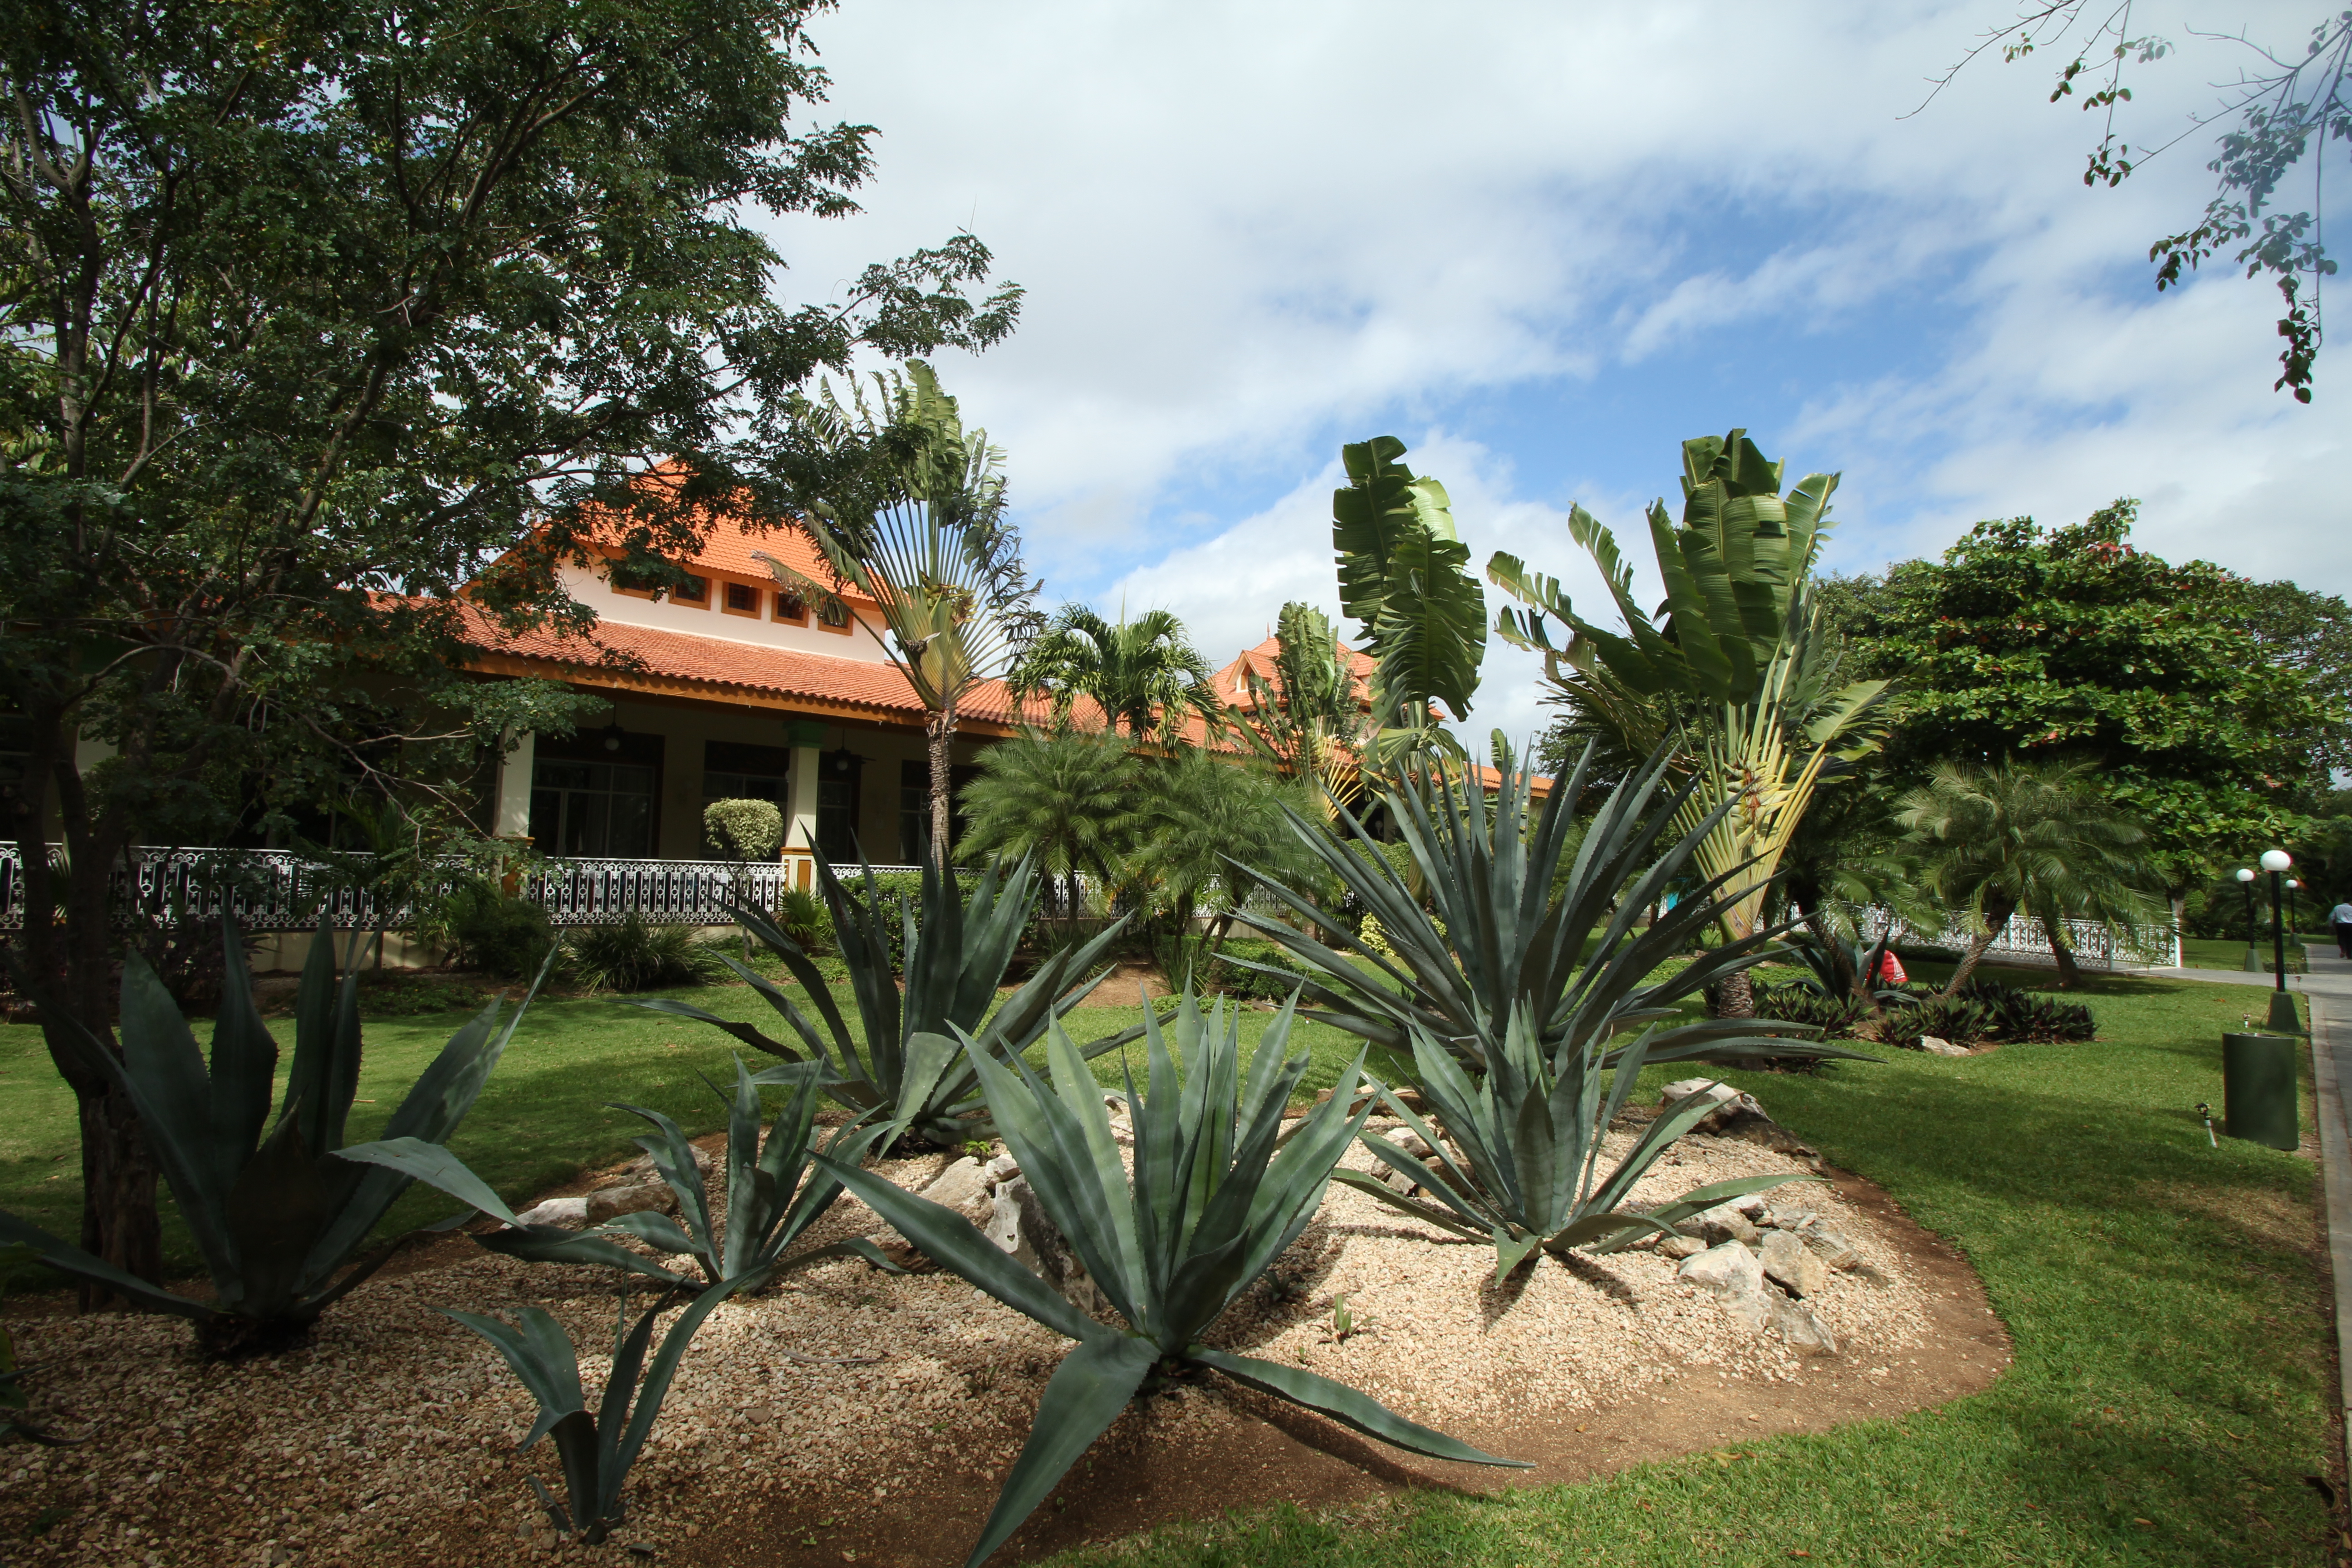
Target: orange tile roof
[1232,686]
[730,548]
[689,664]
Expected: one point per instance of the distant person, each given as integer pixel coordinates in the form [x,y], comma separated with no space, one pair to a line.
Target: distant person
[2340,916]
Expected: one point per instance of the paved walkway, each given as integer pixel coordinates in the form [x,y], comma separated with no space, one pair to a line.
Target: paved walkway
[2329,976]
[2331,1072]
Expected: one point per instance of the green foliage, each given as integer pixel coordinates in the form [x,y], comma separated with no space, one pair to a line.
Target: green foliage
[1197,819]
[747,829]
[484,929]
[801,916]
[1833,1013]
[1500,937]
[1309,720]
[1144,674]
[597,1450]
[903,1062]
[1402,577]
[275,1217]
[1529,1138]
[2015,1014]
[1254,971]
[1064,800]
[2074,643]
[633,955]
[2036,837]
[1953,1018]
[1215,1198]
[771,1199]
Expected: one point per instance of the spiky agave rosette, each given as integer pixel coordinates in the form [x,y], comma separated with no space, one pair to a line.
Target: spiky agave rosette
[1216,1196]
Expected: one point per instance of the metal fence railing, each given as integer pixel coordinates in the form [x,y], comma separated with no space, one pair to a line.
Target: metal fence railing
[2024,940]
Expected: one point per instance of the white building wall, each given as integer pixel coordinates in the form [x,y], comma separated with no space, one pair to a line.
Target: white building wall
[591,588]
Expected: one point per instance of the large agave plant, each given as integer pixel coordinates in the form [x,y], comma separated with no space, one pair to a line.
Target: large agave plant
[909,1068]
[277,1218]
[1521,1154]
[772,1197]
[1215,1197]
[1521,923]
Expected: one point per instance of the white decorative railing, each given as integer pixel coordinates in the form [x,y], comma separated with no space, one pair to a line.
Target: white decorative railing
[2025,939]
[280,890]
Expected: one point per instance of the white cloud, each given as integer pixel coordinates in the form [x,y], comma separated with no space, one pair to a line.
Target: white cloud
[1247,230]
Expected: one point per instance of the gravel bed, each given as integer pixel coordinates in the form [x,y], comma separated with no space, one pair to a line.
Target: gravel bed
[388,1438]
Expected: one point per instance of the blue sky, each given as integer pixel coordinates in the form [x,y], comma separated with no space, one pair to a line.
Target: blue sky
[1543,243]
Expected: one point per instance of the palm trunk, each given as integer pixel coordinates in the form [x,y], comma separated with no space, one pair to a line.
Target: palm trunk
[2070,974]
[1994,926]
[1736,997]
[938,733]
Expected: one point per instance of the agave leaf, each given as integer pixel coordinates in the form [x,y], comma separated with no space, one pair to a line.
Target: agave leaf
[1511,1249]
[162,1072]
[436,1166]
[553,1243]
[1085,1395]
[656,1230]
[949,1239]
[70,1260]
[1345,1406]
[541,1353]
[576,1447]
[1428,1213]
[649,1396]
[748,1032]
[673,1156]
[281,1203]
[244,1060]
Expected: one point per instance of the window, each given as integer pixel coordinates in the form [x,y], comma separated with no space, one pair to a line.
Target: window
[915,806]
[743,599]
[791,607]
[839,775]
[832,616]
[592,809]
[732,771]
[694,591]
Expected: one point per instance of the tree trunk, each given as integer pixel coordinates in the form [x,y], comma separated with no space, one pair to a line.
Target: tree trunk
[939,731]
[68,967]
[2070,974]
[1736,995]
[1975,954]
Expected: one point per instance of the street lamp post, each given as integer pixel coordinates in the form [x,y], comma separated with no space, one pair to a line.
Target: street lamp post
[2293,920]
[2254,964]
[2283,1013]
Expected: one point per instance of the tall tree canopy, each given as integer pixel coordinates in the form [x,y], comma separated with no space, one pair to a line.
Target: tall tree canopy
[311,312]
[2073,643]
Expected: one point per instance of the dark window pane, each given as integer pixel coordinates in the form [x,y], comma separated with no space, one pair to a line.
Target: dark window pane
[792,607]
[694,590]
[743,597]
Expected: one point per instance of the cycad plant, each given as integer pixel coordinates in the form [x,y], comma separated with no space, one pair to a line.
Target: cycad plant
[1521,1150]
[1215,1198]
[772,1197]
[2031,837]
[908,1067]
[1526,912]
[277,1218]
[1065,800]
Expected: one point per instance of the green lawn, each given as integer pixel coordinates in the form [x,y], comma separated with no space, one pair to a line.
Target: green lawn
[2218,953]
[542,1118]
[2174,1343]
[2173,1336]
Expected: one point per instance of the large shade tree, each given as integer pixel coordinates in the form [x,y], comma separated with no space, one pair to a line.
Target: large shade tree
[2074,643]
[907,507]
[312,313]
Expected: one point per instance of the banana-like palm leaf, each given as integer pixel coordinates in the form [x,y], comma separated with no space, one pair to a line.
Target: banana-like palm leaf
[1215,1196]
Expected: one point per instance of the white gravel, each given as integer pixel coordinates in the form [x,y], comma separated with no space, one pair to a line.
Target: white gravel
[389,1438]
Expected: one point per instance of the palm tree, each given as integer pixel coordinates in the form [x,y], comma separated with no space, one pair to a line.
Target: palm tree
[1197,815]
[2035,836]
[907,508]
[1066,800]
[1311,719]
[1742,663]
[1144,673]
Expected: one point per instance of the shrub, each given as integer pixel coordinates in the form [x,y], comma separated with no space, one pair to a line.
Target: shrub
[1234,975]
[1802,1003]
[801,916]
[747,829]
[1953,1018]
[485,930]
[2015,1014]
[636,956]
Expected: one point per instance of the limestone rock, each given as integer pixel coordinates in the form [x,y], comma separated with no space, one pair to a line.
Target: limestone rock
[1793,1264]
[611,1202]
[1729,1102]
[1936,1048]
[1018,1224]
[1795,1322]
[1833,1244]
[964,1184]
[1680,1247]
[641,1168]
[1736,1278]
[1004,1168]
[1723,1224]
[568,1213]
[1411,1144]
